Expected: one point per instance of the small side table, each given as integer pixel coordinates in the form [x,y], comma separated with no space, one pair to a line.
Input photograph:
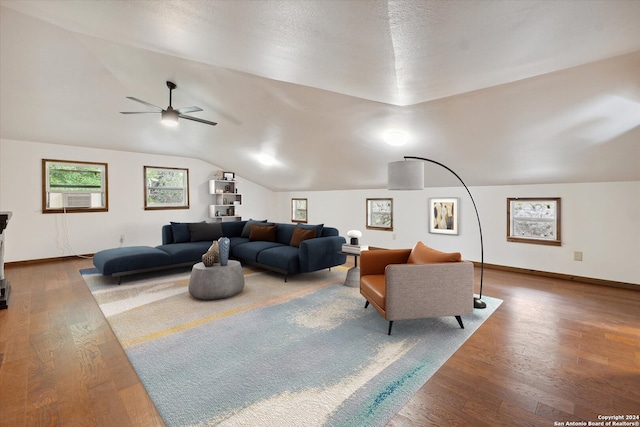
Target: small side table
[217,281]
[353,274]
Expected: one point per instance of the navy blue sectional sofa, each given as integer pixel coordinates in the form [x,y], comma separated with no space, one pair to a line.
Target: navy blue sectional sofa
[284,248]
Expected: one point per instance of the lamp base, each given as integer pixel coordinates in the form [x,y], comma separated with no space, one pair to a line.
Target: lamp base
[478,303]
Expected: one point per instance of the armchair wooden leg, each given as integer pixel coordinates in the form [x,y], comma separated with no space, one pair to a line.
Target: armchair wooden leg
[390,325]
[366,304]
[459,319]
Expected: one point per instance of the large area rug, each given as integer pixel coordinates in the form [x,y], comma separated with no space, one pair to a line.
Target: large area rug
[299,353]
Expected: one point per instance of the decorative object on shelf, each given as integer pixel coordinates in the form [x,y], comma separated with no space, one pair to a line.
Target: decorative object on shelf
[409,175]
[228,176]
[212,255]
[218,174]
[355,235]
[443,215]
[224,244]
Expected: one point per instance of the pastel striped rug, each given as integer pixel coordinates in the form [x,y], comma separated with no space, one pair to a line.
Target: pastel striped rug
[299,353]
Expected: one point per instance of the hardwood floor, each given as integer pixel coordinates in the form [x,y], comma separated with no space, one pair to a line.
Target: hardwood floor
[555,351]
[60,363]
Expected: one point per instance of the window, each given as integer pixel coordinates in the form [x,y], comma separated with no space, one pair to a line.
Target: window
[380,214]
[166,188]
[73,186]
[299,210]
[532,220]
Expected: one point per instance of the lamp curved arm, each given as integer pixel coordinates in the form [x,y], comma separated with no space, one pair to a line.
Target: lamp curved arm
[478,303]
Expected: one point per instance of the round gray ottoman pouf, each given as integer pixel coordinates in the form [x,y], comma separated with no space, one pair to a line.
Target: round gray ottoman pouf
[216,282]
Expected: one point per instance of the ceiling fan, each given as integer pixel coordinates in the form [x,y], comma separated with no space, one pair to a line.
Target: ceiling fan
[169,116]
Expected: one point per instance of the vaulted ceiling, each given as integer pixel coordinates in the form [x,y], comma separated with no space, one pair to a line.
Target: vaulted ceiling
[503,92]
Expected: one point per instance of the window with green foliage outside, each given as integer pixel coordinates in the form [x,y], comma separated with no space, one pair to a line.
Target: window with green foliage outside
[166,188]
[74,186]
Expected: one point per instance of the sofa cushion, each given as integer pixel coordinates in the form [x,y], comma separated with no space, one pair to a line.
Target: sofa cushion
[300,234]
[246,230]
[235,241]
[232,228]
[265,233]
[374,288]
[180,232]
[285,233]
[423,254]
[318,227]
[248,252]
[281,257]
[129,258]
[205,231]
[185,252]
[329,231]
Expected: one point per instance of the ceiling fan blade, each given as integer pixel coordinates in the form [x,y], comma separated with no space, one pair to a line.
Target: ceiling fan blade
[195,119]
[184,110]
[140,112]
[144,102]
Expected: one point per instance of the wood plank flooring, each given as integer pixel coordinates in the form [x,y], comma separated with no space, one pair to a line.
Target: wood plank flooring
[555,351]
[61,365]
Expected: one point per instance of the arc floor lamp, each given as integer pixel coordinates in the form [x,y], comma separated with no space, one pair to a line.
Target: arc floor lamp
[409,175]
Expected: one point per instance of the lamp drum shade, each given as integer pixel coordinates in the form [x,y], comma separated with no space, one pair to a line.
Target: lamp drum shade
[405,175]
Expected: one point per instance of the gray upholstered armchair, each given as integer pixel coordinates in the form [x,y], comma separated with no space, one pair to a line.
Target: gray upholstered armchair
[399,290]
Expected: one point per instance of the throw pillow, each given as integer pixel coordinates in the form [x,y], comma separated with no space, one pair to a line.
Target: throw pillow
[318,228]
[246,231]
[300,234]
[266,233]
[180,232]
[423,254]
[205,231]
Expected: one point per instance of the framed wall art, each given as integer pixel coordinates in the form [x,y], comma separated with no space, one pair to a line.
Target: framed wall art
[299,210]
[443,215]
[380,214]
[534,220]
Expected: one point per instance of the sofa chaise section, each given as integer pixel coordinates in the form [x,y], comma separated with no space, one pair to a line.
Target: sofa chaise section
[130,259]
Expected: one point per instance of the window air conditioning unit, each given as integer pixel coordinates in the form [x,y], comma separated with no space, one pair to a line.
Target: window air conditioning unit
[77,200]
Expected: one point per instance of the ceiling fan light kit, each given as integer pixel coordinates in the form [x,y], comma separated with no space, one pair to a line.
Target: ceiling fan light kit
[170,115]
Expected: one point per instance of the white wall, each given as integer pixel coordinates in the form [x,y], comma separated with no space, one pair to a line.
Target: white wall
[33,235]
[600,219]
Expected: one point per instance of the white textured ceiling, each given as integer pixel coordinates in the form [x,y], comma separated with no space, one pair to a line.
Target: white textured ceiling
[504,92]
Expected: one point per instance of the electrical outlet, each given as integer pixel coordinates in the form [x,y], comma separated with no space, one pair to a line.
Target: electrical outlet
[393,236]
[577,256]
